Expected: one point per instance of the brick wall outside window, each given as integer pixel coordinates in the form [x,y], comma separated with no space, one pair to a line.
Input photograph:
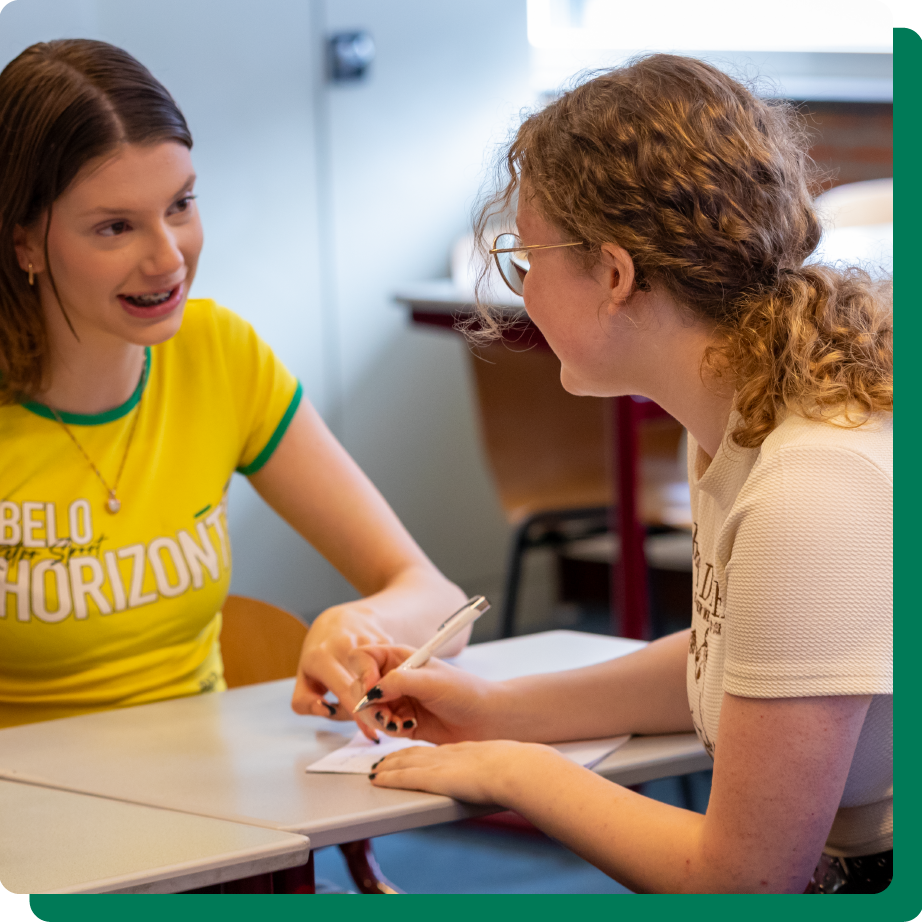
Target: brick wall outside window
[852,141]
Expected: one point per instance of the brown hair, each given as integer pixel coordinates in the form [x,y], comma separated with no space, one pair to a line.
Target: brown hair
[62,104]
[708,188]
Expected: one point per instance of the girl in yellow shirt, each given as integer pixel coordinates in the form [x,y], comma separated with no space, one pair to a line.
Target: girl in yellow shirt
[125,408]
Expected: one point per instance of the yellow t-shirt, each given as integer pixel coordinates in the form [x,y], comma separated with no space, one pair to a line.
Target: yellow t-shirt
[104,610]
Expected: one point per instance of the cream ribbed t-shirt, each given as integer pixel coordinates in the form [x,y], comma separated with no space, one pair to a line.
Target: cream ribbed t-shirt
[793,592]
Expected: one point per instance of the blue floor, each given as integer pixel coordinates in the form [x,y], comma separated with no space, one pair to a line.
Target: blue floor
[464,858]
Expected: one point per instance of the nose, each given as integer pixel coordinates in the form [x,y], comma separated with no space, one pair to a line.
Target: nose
[164,255]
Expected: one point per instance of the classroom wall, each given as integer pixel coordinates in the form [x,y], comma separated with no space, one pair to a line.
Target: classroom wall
[318,201]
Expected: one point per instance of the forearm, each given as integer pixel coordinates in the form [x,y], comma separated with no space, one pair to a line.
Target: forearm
[648,846]
[780,769]
[341,513]
[643,692]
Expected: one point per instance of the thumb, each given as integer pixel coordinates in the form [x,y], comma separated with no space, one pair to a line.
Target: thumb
[403,683]
[385,657]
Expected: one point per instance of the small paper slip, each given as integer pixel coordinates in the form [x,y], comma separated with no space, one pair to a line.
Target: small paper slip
[589,753]
[358,755]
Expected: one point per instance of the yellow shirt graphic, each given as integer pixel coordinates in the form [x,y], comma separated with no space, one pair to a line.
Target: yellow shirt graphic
[101,610]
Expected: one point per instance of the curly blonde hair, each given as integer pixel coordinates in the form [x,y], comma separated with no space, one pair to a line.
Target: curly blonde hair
[708,188]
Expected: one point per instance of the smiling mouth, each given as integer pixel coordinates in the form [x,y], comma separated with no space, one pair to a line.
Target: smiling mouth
[149,300]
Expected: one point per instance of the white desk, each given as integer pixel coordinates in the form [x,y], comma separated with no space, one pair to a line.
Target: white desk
[241,755]
[55,841]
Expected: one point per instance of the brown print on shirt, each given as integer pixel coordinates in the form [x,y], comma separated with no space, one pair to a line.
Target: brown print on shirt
[709,606]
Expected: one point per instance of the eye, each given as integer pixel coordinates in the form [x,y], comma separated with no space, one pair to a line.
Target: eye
[115,229]
[183,204]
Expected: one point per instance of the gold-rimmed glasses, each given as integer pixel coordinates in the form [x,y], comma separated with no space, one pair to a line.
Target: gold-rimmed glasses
[511,257]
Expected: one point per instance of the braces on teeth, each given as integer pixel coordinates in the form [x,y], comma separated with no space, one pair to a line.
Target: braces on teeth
[148,300]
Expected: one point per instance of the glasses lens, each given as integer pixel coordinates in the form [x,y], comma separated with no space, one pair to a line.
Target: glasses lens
[513,266]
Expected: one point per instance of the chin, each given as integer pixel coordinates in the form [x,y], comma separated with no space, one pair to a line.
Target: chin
[161,332]
[579,388]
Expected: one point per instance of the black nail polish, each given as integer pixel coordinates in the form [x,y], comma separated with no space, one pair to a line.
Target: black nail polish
[373,775]
[328,706]
[392,726]
[409,724]
[379,716]
[376,741]
[376,764]
[374,693]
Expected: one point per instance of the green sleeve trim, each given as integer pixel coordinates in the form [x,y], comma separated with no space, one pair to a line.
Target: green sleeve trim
[280,430]
[97,419]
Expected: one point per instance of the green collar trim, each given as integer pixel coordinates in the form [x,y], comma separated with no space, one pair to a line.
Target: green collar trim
[96,419]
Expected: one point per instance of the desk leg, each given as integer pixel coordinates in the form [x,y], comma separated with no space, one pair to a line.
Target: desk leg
[629,572]
[260,883]
[364,869]
[295,880]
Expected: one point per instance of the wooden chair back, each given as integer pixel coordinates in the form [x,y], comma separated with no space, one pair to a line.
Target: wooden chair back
[548,449]
[262,643]
[259,642]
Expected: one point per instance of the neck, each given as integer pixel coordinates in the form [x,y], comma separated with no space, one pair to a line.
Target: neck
[669,371]
[89,376]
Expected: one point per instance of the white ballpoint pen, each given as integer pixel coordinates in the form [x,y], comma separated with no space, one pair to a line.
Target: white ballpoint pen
[452,625]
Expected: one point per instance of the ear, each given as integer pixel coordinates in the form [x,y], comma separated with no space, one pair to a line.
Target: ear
[29,248]
[617,270]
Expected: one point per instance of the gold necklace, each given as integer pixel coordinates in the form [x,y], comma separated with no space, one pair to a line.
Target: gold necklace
[112,503]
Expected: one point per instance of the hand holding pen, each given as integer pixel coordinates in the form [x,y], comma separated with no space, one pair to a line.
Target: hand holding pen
[449,628]
[438,703]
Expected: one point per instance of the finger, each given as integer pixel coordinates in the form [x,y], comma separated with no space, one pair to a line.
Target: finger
[404,758]
[386,656]
[411,778]
[365,669]
[394,724]
[332,710]
[401,683]
[332,675]
[307,694]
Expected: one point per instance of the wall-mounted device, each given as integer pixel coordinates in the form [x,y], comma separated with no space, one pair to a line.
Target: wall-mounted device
[350,55]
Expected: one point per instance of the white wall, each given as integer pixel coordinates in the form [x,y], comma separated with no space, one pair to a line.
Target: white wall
[318,201]
[408,152]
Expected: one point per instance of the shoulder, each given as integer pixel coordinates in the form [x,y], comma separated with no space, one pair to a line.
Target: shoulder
[212,334]
[830,451]
[816,484]
[204,317]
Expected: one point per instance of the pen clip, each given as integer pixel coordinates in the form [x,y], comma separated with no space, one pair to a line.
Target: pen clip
[478,602]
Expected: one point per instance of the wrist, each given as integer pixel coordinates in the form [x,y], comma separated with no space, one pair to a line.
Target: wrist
[412,606]
[352,623]
[497,712]
[525,775]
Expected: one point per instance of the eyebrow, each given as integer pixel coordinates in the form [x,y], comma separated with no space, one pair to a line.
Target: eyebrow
[118,211]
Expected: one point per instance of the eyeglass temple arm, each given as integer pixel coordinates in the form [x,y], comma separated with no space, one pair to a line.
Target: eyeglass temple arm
[535,246]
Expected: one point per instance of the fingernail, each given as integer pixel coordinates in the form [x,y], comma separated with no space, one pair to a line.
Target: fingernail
[374,693]
[377,741]
[392,726]
[373,775]
[328,706]
[379,716]
[376,764]
[409,724]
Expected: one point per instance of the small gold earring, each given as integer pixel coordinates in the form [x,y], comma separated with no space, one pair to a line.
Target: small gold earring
[31,275]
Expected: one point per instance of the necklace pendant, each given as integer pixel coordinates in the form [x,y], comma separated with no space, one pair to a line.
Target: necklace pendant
[112,504]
